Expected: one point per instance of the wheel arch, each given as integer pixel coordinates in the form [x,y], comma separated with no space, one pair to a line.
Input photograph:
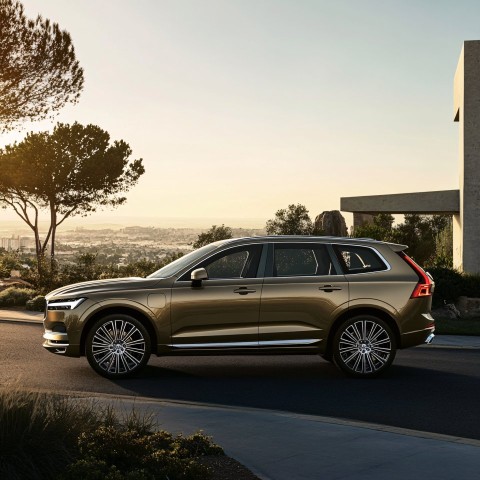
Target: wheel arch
[353,312]
[140,316]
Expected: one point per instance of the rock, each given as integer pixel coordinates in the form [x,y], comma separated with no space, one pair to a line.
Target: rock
[331,223]
[468,306]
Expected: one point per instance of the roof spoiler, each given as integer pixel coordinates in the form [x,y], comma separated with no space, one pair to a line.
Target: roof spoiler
[396,247]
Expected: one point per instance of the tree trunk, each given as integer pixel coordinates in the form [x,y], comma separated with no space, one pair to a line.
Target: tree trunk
[53,226]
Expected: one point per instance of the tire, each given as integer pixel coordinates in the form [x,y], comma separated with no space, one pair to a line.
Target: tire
[327,357]
[118,346]
[364,346]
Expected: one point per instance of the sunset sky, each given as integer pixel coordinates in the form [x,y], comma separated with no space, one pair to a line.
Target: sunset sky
[239,108]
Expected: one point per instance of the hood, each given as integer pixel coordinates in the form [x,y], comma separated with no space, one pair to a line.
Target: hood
[108,285]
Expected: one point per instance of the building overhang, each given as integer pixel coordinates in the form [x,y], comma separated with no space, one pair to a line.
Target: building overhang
[440,202]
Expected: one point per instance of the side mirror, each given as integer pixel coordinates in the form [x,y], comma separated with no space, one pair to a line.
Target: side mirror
[197,276]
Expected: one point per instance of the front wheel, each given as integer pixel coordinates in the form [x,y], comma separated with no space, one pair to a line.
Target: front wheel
[364,346]
[117,346]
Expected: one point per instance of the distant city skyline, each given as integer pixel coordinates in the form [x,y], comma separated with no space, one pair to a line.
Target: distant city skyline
[242,107]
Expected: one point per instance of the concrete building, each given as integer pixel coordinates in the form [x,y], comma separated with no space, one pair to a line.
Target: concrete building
[464,203]
[13,243]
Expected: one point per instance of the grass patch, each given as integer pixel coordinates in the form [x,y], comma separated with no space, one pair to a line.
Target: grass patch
[456,326]
[45,436]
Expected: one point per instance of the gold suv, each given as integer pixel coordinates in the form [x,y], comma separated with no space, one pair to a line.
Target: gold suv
[352,301]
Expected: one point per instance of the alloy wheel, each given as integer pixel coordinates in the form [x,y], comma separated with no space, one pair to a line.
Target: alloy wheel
[365,347]
[117,347]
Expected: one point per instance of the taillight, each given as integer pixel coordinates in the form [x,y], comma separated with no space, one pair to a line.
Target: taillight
[424,286]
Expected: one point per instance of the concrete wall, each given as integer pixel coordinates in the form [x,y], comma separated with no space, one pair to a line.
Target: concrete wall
[467,94]
[463,204]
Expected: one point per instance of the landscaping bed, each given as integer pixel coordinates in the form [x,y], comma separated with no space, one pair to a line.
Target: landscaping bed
[448,324]
[46,436]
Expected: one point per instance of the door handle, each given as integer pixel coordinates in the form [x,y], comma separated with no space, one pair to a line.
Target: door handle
[244,290]
[329,288]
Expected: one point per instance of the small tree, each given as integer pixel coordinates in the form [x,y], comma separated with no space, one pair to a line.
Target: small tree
[420,232]
[293,220]
[214,234]
[444,247]
[8,261]
[72,171]
[39,73]
[380,229]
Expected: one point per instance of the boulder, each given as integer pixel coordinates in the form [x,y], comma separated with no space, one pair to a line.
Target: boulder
[331,223]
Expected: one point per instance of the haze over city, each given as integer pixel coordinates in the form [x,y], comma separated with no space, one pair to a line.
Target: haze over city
[239,108]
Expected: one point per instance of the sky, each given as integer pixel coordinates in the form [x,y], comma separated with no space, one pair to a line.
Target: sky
[242,107]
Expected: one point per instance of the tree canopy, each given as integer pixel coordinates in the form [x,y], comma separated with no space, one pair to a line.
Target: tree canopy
[72,171]
[39,72]
[293,220]
[422,234]
[220,232]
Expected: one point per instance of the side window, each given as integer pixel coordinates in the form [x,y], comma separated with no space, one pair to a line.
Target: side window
[237,262]
[228,266]
[301,260]
[359,259]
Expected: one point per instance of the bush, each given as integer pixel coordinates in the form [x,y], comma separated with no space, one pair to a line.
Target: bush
[14,296]
[118,453]
[39,433]
[36,304]
[451,284]
[52,437]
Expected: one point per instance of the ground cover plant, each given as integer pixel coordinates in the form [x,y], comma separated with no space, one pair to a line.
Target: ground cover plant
[44,436]
[14,296]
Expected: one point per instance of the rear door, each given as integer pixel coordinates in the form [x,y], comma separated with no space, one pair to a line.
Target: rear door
[302,292]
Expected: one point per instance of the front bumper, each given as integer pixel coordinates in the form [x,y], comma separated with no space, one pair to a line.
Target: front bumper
[55,342]
[61,332]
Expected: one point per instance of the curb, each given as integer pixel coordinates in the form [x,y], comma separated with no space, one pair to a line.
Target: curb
[21,320]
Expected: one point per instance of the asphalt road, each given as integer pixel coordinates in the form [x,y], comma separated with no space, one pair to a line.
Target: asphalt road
[428,388]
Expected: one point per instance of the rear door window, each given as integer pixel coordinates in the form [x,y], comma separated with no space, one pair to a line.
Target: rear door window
[301,260]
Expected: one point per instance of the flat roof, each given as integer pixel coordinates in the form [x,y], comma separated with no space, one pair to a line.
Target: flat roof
[439,202]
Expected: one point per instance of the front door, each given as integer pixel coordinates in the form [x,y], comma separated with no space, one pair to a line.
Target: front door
[223,312]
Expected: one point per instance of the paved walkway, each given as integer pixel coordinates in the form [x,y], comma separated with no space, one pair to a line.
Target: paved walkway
[284,446]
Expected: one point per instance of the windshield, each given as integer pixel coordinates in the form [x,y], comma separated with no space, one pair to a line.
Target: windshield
[182,262]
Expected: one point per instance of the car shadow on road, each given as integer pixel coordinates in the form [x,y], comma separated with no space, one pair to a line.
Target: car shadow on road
[407,396]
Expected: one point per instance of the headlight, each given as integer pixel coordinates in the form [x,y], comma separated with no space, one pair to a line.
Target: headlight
[65,304]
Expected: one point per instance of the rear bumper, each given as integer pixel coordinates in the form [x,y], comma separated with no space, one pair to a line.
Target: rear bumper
[420,336]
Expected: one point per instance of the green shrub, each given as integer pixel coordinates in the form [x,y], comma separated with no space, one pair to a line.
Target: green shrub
[39,432]
[36,304]
[46,436]
[14,296]
[451,284]
[137,455]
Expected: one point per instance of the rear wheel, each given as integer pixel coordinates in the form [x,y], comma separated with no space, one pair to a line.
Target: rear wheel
[118,346]
[364,346]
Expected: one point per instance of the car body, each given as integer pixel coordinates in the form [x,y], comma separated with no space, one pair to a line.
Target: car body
[350,300]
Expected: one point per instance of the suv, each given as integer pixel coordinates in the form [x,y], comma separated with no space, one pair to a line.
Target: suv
[353,301]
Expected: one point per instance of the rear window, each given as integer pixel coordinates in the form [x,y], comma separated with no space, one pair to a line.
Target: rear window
[356,259]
